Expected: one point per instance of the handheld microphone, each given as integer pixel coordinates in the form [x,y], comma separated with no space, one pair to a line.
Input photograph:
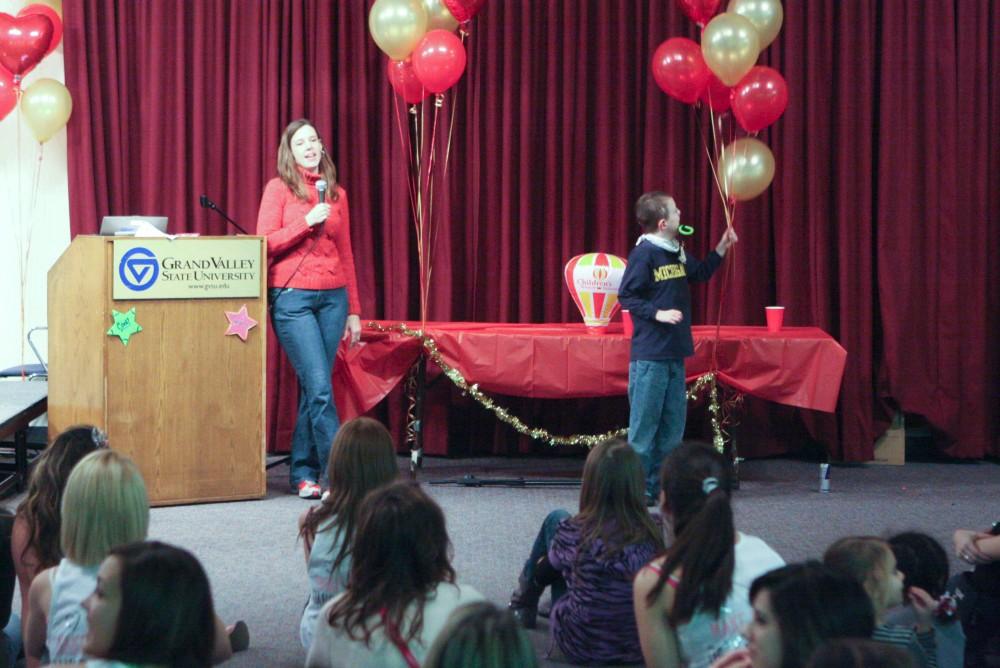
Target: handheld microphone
[321,190]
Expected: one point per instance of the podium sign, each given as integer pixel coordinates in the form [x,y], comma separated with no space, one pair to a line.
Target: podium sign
[186,268]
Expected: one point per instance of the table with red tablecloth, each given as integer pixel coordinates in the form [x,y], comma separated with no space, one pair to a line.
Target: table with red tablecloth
[800,367]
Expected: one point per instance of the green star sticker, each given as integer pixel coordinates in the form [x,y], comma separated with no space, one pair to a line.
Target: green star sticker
[125,325]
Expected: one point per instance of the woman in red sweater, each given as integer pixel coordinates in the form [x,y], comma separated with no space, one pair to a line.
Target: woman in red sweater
[312,288]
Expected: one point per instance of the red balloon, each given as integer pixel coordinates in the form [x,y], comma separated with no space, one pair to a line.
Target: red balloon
[699,11]
[23,41]
[717,94]
[760,98]
[680,69]
[463,10]
[8,93]
[439,60]
[405,82]
[53,15]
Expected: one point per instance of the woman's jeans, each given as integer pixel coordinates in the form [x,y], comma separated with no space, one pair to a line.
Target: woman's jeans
[309,325]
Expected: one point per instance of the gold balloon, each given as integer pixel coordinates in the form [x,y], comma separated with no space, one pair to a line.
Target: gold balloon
[54,4]
[746,169]
[46,105]
[438,16]
[397,26]
[730,45]
[765,15]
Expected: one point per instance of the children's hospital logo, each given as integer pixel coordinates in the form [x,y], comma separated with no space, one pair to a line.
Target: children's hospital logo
[139,269]
[600,273]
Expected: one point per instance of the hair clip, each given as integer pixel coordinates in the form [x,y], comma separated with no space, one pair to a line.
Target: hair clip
[99,436]
[709,485]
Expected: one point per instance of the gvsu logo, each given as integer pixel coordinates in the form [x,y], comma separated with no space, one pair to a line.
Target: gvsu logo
[139,269]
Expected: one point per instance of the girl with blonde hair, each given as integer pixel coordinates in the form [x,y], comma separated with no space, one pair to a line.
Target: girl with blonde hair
[105,505]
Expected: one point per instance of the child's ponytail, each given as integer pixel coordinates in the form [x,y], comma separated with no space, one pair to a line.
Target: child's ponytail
[696,484]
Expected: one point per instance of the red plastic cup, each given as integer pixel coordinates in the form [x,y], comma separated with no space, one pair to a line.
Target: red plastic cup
[627,323]
[775,316]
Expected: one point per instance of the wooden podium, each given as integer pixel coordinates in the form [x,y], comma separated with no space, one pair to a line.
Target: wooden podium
[182,399]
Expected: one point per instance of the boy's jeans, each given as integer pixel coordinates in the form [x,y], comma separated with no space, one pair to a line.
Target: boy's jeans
[657,395]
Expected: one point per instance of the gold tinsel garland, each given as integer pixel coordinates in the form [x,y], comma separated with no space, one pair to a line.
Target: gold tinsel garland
[706,380]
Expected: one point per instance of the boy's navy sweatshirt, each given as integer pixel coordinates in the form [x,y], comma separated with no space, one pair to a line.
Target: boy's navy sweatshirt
[656,280]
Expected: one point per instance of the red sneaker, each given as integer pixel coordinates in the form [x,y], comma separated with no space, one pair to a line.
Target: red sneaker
[308,490]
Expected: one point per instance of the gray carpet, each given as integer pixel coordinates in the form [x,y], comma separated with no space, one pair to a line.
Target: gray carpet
[257,570]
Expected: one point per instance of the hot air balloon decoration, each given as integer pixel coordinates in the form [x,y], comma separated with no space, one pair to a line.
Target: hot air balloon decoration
[593,280]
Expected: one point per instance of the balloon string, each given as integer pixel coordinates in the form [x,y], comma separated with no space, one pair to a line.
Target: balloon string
[433,145]
[444,173]
[729,271]
[432,238]
[713,165]
[463,34]
[407,147]
[22,252]
[730,218]
[420,126]
[425,261]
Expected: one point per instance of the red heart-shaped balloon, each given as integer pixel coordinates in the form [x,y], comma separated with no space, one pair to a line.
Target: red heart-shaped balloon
[53,15]
[463,10]
[24,40]
[8,93]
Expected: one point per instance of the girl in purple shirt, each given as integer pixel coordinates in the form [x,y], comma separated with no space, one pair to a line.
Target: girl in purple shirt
[589,560]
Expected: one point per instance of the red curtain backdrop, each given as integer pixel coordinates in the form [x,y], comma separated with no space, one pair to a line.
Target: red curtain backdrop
[881,226]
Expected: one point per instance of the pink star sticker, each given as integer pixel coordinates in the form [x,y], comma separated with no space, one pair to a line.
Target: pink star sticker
[240,323]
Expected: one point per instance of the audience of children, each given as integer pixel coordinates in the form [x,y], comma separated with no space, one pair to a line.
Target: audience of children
[401,588]
[589,560]
[691,603]
[152,607]
[481,635]
[870,562]
[383,591]
[105,505]
[924,564]
[362,458]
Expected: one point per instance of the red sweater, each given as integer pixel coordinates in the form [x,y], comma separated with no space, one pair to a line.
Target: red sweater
[323,251]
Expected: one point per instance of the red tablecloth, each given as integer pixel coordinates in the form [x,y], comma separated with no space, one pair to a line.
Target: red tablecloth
[799,366]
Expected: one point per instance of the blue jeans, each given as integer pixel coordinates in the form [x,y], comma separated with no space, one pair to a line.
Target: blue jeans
[10,639]
[657,396]
[541,548]
[309,325]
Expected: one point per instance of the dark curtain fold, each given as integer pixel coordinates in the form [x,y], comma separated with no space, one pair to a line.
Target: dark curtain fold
[881,225]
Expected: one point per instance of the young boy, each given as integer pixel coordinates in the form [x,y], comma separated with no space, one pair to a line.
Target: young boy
[655,291]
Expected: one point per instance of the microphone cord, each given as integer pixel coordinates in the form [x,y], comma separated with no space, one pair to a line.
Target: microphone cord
[281,290]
